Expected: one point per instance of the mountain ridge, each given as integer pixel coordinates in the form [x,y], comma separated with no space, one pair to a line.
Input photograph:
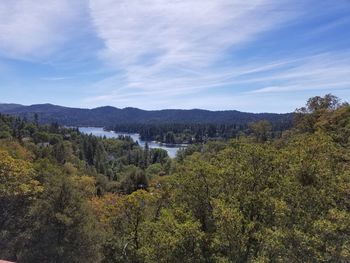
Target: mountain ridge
[108,115]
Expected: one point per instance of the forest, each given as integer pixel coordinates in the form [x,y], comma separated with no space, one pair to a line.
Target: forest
[194,133]
[268,194]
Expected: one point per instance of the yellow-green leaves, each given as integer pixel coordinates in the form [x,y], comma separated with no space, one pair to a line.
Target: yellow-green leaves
[174,237]
[17,177]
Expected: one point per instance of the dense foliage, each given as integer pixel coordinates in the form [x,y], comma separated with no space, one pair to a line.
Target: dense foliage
[190,133]
[68,197]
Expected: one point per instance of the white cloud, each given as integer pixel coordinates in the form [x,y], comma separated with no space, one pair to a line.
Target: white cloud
[35,29]
[178,45]
[175,31]
[163,49]
[319,72]
[173,53]
[310,75]
[55,78]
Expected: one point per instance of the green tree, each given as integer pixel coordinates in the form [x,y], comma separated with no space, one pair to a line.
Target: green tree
[18,190]
[133,178]
[174,237]
[146,156]
[261,130]
[170,137]
[306,117]
[154,170]
[62,227]
[36,119]
[129,215]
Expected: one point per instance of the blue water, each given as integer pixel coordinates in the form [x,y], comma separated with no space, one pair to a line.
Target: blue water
[100,132]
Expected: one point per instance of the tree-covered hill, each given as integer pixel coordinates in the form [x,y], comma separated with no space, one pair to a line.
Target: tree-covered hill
[69,197]
[110,116]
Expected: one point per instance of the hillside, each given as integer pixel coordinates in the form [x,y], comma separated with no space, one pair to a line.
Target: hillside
[108,116]
[70,197]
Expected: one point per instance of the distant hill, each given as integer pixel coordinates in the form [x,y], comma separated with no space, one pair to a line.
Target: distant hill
[109,116]
[8,106]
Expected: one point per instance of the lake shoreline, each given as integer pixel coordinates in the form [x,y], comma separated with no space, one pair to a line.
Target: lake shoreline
[158,142]
[171,149]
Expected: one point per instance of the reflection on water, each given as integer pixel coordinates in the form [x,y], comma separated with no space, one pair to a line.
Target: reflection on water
[100,132]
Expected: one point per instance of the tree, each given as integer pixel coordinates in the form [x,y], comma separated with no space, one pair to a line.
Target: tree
[36,119]
[154,170]
[327,103]
[18,190]
[133,178]
[62,227]
[146,156]
[316,107]
[261,130]
[60,152]
[5,131]
[194,189]
[170,137]
[158,155]
[127,220]
[174,237]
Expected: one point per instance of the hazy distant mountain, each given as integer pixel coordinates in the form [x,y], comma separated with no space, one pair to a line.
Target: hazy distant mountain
[9,106]
[109,116]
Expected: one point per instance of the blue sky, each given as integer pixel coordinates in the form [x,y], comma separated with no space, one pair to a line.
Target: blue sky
[256,55]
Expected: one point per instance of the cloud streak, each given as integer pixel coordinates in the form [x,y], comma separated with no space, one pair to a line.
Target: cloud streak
[181,53]
[319,72]
[324,71]
[36,29]
[171,49]
[160,44]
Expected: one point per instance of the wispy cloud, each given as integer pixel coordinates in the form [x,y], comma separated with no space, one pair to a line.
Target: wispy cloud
[319,72]
[180,33]
[179,45]
[55,78]
[35,29]
[181,53]
[166,49]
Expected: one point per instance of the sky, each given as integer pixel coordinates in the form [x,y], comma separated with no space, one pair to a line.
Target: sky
[254,56]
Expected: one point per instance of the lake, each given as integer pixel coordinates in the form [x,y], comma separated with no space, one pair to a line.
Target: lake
[100,132]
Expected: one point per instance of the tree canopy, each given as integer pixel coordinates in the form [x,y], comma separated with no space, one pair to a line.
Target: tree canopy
[69,197]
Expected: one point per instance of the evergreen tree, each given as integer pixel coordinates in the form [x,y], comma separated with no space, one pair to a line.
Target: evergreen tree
[62,229]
